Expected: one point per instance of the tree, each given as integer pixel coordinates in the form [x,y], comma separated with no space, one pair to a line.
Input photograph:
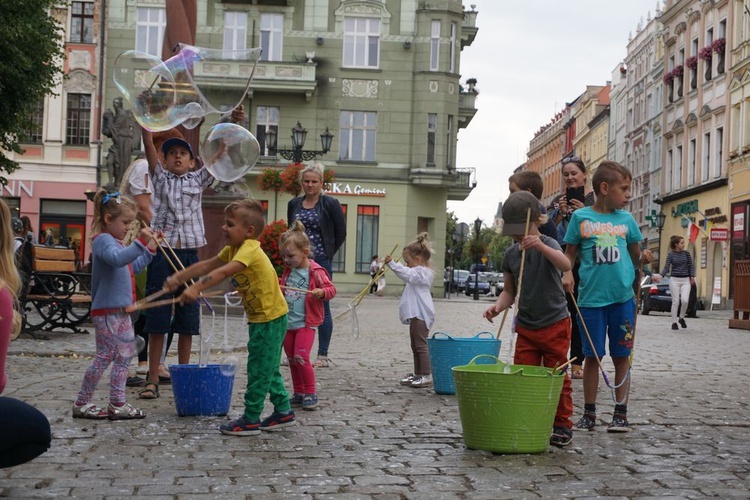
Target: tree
[30,67]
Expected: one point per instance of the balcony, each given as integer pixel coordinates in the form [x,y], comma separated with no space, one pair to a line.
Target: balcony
[465,182]
[269,76]
[469,27]
[466,108]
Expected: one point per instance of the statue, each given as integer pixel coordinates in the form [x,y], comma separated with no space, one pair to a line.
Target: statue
[121,127]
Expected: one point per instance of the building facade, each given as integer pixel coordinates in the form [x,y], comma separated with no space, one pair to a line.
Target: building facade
[384,77]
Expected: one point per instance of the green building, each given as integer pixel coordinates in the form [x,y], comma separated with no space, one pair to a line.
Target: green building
[384,77]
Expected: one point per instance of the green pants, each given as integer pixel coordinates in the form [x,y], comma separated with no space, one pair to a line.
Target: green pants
[263,375]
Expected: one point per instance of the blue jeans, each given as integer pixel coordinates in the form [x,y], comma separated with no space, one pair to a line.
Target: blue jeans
[24,432]
[325,331]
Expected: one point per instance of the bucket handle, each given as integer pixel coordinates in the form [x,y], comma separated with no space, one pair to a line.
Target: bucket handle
[490,356]
[443,334]
[484,334]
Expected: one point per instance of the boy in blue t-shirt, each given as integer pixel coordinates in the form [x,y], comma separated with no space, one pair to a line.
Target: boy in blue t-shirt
[605,235]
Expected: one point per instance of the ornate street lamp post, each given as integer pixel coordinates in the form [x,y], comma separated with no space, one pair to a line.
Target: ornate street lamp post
[477,228]
[297,154]
[660,219]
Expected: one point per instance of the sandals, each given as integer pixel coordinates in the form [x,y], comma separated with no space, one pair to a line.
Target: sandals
[124,412]
[89,411]
[576,372]
[323,362]
[150,391]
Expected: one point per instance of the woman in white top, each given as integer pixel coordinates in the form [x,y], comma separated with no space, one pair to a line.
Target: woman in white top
[416,308]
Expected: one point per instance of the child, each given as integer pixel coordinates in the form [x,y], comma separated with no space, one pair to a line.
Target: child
[254,277]
[24,430]
[113,271]
[305,310]
[177,212]
[416,308]
[542,320]
[604,235]
[680,267]
[528,180]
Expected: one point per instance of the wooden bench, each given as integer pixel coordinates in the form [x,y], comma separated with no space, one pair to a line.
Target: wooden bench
[54,295]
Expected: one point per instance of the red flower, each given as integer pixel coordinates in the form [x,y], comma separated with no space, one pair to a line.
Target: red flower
[719,45]
[692,62]
[290,178]
[270,180]
[269,242]
[668,77]
[705,53]
[678,71]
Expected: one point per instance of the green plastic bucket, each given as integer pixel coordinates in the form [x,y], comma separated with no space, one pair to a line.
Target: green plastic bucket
[447,352]
[506,412]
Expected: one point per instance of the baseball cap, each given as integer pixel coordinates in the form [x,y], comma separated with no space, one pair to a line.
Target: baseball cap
[515,209]
[176,141]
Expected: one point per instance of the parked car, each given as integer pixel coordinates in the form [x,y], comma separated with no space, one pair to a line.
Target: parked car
[482,284]
[498,284]
[657,297]
[459,280]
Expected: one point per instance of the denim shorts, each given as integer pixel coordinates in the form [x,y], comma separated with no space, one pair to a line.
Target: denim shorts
[614,321]
[186,319]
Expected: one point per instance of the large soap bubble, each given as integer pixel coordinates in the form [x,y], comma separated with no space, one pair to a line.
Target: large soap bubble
[229,151]
[131,347]
[186,87]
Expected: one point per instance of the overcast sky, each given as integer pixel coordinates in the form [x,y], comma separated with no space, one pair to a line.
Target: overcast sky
[529,59]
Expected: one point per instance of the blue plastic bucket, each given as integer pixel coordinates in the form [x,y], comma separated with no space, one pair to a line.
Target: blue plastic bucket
[447,352]
[201,390]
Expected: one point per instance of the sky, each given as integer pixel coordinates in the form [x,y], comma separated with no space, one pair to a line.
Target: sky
[529,59]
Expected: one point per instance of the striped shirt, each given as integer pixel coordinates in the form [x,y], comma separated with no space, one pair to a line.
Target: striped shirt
[681,264]
[177,206]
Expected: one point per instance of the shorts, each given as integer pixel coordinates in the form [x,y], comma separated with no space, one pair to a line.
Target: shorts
[160,320]
[614,321]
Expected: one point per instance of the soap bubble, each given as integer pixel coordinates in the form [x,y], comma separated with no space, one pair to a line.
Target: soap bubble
[229,151]
[180,90]
[131,347]
[228,365]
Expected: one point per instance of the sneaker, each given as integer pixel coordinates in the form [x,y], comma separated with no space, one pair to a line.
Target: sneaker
[241,427]
[422,381]
[278,421]
[142,370]
[561,437]
[586,422]
[296,400]
[408,379]
[682,323]
[619,423]
[309,402]
[675,327]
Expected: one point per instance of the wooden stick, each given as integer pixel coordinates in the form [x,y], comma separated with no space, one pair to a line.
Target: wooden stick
[296,289]
[375,278]
[517,300]
[502,322]
[165,302]
[560,368]
[151,297]
[171,250]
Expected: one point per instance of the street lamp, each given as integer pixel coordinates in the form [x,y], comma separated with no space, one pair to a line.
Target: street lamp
[660,219]
[299,134]
[477,228]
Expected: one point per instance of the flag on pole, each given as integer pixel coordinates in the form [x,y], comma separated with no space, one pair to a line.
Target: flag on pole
[692,231]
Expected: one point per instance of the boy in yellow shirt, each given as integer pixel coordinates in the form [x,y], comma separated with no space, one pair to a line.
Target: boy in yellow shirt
[256,281]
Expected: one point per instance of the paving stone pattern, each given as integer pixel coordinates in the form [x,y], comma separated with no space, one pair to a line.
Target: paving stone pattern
[372,438]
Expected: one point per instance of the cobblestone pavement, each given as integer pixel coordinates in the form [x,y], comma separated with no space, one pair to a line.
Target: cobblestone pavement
[372,438]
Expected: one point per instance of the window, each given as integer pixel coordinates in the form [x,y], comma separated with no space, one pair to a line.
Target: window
[431,133]
[709,36]
[149,30]
[449,142]
[706,163]
[33,134]
[78,119]
[268,119]
[357,132]
[677,171]
[435,45]
[271,35]
[82,22]
[694,47]
[454,41]
[235,30]
[338,264]
[264,206]
[719,151]
[691,162]
[361,42]
[668,173]
[723,28]
[368,223]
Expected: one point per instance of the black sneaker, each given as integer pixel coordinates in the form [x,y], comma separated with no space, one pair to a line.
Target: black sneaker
[619,423]
[561,437]
[675,327]
[682,323]
[296,400]
[241,427]
[278,421]
[310,402]
[586,422]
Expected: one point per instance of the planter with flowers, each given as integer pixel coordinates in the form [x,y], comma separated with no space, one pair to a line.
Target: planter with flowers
[290,178]
[270,180]
[677,72]
[719,46]
[692,64]
[706,54]
[269,242]
[668,80]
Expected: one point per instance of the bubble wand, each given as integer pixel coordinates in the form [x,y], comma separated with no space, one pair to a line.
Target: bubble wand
[518,295]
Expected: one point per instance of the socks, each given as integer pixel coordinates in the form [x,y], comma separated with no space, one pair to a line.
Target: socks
[589,408]
[622,409]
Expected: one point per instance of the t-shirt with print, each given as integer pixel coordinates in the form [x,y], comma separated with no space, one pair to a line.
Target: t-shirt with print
[257,284]
[606,271]
[309,218]
[298,278]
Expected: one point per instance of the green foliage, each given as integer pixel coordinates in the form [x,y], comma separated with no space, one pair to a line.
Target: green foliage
[31,45]
[497,248]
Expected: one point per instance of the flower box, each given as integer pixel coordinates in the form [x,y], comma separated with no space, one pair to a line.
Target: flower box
[719,45]
[678,71]
[706,53]
[692,62]
[668,77]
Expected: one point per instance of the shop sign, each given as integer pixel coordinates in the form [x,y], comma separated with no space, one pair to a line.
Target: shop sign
[738,223]
[357,190]
[14,188]
[719,234]
[688,207]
